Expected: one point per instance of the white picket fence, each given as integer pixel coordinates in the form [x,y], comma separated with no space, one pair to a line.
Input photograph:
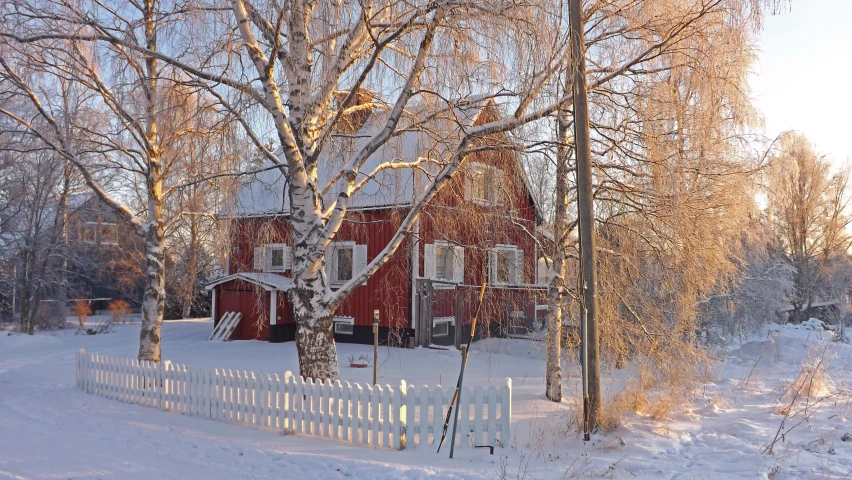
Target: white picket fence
[364,414]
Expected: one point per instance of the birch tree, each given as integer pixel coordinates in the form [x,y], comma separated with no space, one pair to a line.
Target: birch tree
[99,106]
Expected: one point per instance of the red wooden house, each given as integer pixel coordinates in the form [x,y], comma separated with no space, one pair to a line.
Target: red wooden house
[480,224]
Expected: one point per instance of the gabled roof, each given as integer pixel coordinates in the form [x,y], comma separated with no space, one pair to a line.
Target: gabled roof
[267,281]
[263,194]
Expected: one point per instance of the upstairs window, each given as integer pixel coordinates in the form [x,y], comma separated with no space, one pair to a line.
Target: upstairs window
[483,184]
[444,261]
[100,232]
[542,271]
[343,261]
[506,265]
[273,257]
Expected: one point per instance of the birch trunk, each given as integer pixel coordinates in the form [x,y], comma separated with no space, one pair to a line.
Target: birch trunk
[154,298]
[553,377]
[316,348]
[313,309]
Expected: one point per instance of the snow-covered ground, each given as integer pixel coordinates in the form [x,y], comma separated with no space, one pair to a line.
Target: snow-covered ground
[50,430]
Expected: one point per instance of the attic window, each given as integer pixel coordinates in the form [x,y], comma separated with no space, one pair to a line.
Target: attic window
[483,184]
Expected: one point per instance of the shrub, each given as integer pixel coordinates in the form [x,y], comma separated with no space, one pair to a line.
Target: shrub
[82,311]
[118,309]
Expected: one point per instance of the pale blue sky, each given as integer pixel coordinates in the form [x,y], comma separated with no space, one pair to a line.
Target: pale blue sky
[803,77]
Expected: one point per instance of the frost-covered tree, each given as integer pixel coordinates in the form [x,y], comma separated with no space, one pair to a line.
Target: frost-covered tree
[811,211]
[93,74]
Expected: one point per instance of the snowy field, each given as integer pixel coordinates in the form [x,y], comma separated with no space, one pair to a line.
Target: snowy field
[51,430]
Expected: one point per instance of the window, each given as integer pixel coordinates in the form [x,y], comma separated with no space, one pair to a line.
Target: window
[542,271]
[483,184]
[344,260]
[343,257]
[104,233]
[480,186]
[344,325]
[277,258]
[89,233]
[108,234]
[273,257]
[506,265]
[344,328]
[441,329]
[444,261]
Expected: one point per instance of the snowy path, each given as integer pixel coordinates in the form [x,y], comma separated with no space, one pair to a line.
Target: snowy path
[51,430]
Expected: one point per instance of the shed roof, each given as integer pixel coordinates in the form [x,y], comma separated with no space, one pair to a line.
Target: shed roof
[268,281]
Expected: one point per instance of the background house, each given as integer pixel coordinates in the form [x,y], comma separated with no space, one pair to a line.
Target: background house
[105,259]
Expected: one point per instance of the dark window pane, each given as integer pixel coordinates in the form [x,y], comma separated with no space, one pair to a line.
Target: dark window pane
[444,262]
[277,257]
[344,263]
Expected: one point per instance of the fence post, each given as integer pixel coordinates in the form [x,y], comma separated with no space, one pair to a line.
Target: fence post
[399,411]
[160,382]
[80,377]
[506,414]
[89,382]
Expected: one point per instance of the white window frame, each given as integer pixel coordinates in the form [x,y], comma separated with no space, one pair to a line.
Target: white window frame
[359,261]
[95,232]
[347,321]
[431,264]
[443,321]
[516,267]
[286,257]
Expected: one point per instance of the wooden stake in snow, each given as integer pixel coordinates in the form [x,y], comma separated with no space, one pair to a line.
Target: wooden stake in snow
[464,353]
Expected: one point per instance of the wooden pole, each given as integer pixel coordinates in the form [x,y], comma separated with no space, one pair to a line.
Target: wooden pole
[585,207]
[375,347]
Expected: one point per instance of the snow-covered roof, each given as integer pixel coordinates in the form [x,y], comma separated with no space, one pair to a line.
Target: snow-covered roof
[264,193]
[268,281]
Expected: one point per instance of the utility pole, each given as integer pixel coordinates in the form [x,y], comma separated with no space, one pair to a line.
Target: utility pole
[585,207]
